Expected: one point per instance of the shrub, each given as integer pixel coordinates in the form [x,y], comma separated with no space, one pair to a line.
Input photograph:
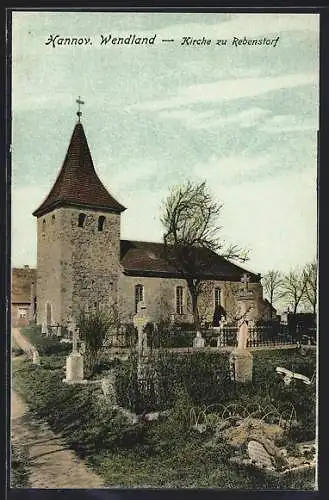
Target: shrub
[94,328]
[46,346]
[204,377]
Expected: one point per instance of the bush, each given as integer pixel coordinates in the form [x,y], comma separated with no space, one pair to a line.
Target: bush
[167,335]
[204,377]
[94,327]
[46,346]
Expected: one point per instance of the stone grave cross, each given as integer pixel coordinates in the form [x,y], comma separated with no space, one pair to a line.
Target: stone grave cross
[241,361]
[140,320]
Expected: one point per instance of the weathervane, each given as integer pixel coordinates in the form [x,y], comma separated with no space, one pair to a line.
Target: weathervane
[79,102]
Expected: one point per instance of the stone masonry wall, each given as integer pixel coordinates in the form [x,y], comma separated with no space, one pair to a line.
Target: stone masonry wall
[160,298]
[48,269]
[77,266]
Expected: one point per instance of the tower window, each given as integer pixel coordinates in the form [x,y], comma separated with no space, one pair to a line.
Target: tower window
[179,299]
[44,225]
[101,220]
[53,218]
[82,220]
[139,295]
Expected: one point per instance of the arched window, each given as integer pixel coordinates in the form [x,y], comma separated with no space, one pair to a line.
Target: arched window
[44,226]
[53,218]
[101,220]
[82,220]
[139,295]
[179,300]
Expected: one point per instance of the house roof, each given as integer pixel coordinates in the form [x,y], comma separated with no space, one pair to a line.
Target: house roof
[77,183]
[21,281]
[143,258]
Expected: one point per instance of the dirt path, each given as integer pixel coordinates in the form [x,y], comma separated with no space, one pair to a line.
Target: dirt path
[52,464]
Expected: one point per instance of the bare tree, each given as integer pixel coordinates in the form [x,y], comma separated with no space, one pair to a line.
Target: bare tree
[192,236]
[310,277]
[293,288]
[272,282]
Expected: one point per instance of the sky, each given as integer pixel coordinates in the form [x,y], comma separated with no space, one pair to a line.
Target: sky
[244,118]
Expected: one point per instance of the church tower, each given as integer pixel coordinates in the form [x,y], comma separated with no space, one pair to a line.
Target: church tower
[78,239]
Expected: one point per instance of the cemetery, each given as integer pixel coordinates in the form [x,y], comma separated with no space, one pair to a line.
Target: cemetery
[153,361]
[233,416]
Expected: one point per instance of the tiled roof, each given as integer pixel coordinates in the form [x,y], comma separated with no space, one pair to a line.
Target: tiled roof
[77,183]
[143,258]
[21,280]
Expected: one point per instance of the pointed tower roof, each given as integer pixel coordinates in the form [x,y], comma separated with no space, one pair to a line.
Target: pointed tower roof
[77,183]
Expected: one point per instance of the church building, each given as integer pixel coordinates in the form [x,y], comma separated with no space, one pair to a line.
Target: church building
[82,262]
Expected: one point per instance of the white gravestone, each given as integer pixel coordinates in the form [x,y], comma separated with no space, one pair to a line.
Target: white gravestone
[241,361]
[74,363]
[44,329]
[140,320]
[35,357]
[220,329]
[58,330]
[198,340]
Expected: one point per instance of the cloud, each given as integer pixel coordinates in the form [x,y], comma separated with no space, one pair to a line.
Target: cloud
[251,25]
[289,123]
[227,90]
[212,119]
[23,225]
[272,218]
[231,170]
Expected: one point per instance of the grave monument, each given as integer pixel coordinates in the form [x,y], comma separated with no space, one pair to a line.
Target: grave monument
[74,362]
[241,361]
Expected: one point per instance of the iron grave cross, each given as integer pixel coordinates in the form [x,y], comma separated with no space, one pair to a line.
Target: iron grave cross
[79,102]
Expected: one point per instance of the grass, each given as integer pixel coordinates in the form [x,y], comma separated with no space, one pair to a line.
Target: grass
[166,453]
[19,471]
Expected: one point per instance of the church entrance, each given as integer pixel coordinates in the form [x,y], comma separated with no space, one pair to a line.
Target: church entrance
[218,315]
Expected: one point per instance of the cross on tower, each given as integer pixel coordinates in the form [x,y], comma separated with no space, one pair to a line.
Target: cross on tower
[79,102]
[245,280]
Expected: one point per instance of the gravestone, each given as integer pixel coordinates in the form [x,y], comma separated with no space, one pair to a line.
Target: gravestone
[258,455]
[140,320]
[58,330]
[35,357]
[74,363]
[198,340]
[220,329]
[44,329]
[241,361]
[146,373]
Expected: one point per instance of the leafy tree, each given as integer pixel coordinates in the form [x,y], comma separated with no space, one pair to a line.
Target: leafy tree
[192,236]
[310,277]
[272,283]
